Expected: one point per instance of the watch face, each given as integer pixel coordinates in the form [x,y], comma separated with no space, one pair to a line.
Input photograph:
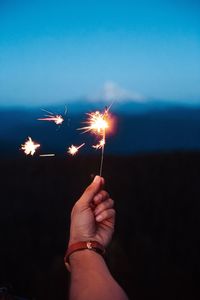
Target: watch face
[89,245]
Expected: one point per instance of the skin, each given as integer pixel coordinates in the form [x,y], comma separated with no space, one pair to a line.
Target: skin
[92,218]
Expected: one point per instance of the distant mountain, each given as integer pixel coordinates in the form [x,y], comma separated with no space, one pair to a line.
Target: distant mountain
[141,127]
[128,106]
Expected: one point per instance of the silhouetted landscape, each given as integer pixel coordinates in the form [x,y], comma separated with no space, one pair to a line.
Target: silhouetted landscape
[155,249]
[143,128]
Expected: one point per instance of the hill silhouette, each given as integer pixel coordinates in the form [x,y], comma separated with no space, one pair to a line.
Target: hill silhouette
[146,129]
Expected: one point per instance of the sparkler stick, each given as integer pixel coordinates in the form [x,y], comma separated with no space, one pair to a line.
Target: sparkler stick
[29,147]
[72,150]
[102,152]
[98,123]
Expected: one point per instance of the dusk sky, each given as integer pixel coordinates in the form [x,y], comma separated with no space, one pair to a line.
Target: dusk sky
[63,50]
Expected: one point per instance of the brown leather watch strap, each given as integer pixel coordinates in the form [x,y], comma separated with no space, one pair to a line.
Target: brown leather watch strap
[90,245]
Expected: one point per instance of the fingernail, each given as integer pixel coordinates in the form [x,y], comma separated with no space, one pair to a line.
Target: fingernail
[96,179]
[99,218]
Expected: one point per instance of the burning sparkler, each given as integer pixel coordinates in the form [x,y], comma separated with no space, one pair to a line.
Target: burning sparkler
[72,150]
[57,119]
[29,147]
[99,123]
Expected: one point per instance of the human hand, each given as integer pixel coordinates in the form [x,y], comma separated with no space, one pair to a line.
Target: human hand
[93,216]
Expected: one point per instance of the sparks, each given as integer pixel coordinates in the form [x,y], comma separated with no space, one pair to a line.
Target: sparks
[29,147]
[72,150]
[57,119]
[100,144]
[99,124]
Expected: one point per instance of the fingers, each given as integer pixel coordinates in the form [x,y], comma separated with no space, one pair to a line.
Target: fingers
[104,210]
[108,203]
[93,189]
[101,196]
[105,215]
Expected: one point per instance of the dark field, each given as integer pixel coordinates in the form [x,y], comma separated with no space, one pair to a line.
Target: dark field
[155,250]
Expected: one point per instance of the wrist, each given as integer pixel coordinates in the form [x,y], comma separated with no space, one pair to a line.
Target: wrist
[83,246]
[82,257]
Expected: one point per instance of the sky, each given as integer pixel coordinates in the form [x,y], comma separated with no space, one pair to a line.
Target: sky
[65,50]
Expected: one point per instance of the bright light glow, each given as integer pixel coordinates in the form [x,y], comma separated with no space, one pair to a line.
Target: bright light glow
[72,150]
[97,122]
[29,147]
[57,119]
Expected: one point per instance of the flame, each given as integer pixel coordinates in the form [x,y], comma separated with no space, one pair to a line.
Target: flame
[29,147]
[72,150]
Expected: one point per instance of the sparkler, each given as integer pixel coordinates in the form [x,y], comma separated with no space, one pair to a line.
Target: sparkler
[57,119]
[29,147]
[98,123]
[72,150]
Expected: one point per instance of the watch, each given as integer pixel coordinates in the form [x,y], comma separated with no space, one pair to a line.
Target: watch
[90,245]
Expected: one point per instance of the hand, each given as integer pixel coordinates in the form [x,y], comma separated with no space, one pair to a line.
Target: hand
[93,216]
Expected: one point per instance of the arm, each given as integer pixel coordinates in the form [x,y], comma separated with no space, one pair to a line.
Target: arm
[92,218]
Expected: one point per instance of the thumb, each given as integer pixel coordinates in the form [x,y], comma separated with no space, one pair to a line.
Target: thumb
[92,190]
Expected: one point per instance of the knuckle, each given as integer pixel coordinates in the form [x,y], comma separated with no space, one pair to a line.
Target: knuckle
[104,194]
[111,201]
[76,207]
[113,212]
[107,194]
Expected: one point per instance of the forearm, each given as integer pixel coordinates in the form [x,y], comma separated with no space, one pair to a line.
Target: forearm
[91,279]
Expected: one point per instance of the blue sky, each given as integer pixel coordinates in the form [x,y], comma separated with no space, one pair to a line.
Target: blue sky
[63,50]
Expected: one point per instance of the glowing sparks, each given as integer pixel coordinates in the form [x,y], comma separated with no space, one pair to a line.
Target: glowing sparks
[72,150]
[57,119]
[100,144]
[97,122]
[29,147]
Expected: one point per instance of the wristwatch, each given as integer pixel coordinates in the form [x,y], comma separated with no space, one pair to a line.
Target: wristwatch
[90,245]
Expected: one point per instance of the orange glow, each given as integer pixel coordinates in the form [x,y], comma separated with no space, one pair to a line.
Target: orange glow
[72,150]
[29,147]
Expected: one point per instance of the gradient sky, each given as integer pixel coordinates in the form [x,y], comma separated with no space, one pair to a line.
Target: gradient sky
[62,50]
